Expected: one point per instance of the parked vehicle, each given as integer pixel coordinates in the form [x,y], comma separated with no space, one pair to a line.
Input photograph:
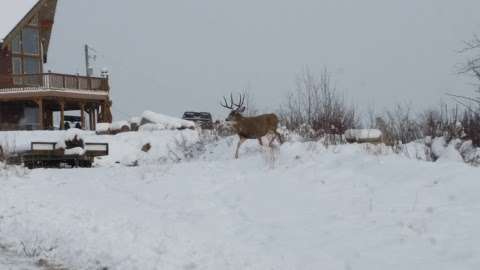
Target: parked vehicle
[203,119]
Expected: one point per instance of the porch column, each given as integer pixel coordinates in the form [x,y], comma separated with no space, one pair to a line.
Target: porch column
[62,115]
[94,117]
[49,118]
[40,114]
[90,118]
[82,115]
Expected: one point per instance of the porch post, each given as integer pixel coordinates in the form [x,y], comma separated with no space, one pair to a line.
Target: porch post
[90,118]
[94,116]
[62,115]
[40,113]
[82,115]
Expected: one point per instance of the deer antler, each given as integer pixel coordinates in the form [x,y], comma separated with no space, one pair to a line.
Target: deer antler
[232,105]
[226,104]
[241,101]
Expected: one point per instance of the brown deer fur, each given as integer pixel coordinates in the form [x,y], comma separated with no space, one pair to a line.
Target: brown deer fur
[252,127]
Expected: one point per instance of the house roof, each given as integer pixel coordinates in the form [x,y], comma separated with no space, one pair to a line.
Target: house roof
[11,13]
[46,11]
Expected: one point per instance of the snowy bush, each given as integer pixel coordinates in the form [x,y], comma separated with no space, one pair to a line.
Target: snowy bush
[398,126]
[317,105]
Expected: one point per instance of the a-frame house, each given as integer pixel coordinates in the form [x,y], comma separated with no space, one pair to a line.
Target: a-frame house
[30,95]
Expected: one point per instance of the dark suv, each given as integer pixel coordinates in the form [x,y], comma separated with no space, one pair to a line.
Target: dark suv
[203,119]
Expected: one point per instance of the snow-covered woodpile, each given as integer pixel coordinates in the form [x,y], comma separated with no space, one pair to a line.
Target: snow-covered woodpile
[149,121]
[363,136]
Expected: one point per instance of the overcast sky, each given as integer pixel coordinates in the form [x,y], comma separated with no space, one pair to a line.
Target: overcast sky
[171,56]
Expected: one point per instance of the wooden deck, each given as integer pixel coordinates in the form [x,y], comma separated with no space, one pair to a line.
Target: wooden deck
[53,92]
[55,81]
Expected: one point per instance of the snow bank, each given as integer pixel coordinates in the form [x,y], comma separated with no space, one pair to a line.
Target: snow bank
[314,208]
[158,121]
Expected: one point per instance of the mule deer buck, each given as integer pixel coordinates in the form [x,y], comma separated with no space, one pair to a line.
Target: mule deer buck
[250,127]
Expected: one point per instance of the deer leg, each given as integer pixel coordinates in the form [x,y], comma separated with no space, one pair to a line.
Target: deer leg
[260,141]
[272,138]
[279,137]
[242,140]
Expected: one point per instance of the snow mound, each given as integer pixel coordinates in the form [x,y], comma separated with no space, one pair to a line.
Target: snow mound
[119,125]
[103,127]
[156,121]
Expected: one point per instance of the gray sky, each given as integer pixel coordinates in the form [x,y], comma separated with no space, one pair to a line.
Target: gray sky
[170,56]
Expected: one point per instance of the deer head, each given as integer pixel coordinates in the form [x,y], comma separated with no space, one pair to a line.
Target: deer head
[236,108]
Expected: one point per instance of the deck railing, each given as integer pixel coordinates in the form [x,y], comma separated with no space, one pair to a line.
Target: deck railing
[58,81]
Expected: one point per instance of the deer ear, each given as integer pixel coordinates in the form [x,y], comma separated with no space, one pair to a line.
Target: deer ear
[242,109]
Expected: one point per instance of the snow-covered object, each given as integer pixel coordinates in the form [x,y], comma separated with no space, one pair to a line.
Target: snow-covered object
[75,151]
[363,135]
[450,154]
[439,145]
[164,122]
[470,153]
[135,120]
[72,134]
[103,128]
[119,125]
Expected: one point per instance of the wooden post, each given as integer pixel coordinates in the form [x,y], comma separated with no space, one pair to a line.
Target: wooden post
[90,118]
[62,115]
[95,117]
[82,115]
[40,113]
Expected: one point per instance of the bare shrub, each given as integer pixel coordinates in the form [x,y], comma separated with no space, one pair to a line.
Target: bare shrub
[399,125]
[442,122]
[185,151]
[35,248]
[315,108]
[472,65]
[471,118]
[471,126]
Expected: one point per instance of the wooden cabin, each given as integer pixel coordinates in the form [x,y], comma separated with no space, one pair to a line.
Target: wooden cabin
[30,95]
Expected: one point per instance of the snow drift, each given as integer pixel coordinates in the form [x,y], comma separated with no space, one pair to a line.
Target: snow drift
[187,204]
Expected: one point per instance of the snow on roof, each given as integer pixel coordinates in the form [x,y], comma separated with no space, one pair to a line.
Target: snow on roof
[11,13]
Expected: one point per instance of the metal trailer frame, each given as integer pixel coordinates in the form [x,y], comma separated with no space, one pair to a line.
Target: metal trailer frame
[46,155]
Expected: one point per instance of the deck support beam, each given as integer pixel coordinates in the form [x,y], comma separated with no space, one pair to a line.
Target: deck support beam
[41,119]
[90,117]
[82,115]
[62,115]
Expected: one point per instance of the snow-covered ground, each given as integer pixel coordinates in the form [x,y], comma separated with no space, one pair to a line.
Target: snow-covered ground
[190,205]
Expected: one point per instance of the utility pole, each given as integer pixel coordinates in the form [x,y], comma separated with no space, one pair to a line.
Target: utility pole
[87,62]
[88,57]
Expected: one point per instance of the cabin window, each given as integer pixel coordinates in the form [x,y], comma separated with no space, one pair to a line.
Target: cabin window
[34,21]
[30,38]
[31,65]
[17,65]
[16,46]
